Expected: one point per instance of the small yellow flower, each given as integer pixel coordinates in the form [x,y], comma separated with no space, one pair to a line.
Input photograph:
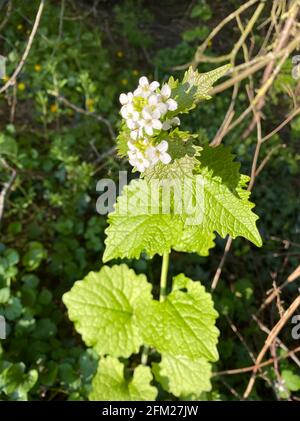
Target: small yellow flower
[89,103]
[120,54]
[20,27]
[135,72]
[124,82]
[5,78]
[21,86]
[54,108]
[37,67]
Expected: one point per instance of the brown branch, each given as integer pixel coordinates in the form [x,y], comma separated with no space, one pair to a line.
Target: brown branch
[6,188]
[267,158]
[221,264]
[285,34]
[264,328]
[80,110]
[291,278]
[200,50]
[15,74]
[281,125]
[252,367]
[272,336]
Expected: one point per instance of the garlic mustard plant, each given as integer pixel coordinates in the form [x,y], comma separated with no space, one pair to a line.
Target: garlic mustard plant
[171,336]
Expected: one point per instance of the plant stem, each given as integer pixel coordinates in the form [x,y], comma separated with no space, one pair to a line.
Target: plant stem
[144,356]
[163,277]
[162,297]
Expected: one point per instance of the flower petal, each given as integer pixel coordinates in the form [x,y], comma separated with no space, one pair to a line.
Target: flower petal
[131,124]
[166,91]
[175,121]
[134,134]
[143,81]
[172,104]
[154,85]
[163,146]
[148,130]
[153,99]
[156,124]
[123,99]
[166,125]
[163,108]
[165,158]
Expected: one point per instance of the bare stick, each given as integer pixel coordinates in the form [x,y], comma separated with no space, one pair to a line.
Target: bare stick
[216,30]
[272,336]
[80,110]
[222,262]
[291,278]
[268,70]
[13,77]
[281,125]
[267,158]
[252,367]
[6,187]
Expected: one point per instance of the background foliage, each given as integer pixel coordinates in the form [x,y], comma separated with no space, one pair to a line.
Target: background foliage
[88,52]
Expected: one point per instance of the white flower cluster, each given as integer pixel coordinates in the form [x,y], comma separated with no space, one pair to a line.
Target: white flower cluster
[145,112]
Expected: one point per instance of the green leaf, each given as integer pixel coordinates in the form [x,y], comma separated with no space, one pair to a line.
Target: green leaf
[134,228]
[196,239]
[202,11]
[183,376]
[109,383]
[13,308]
[291,380]
[222,206]
[4,295]
[122,140]
[218,163]
[194,87]
[15,382]
[105,307]
[199,33]
[226,205]
[8,146]
[34,256]
[184,324]
[12,256]
[224,213]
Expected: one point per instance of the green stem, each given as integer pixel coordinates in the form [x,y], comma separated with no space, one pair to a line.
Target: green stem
[163,277]
[144,356]
[162,297]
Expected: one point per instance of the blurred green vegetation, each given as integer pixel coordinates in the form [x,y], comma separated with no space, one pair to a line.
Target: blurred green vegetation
[51,234]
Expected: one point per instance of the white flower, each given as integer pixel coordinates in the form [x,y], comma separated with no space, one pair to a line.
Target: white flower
[132,125]
[126,98]
[165,94]
[158,153]
[151,111]
[165,91]
[145,89]
[129,113]
[137,159]
[148,124]
[172,104]
[131,146]
[169,122]
[131,116]
[155,103]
